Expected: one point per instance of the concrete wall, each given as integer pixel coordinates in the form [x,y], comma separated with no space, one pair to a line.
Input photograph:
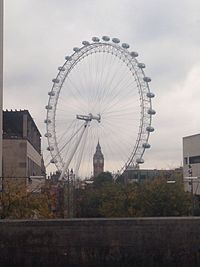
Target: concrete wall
[14,158]
[158,242]
[33,154]
[16,153]
[21,160]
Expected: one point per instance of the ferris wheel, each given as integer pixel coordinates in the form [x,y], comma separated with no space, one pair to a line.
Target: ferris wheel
[100,94]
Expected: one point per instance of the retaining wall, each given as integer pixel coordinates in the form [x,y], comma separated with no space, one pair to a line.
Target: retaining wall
[139,242]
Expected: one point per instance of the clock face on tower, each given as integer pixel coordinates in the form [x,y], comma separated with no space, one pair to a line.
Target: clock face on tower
[96,161]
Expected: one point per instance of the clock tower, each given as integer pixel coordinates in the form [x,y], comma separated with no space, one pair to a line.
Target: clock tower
[98,161]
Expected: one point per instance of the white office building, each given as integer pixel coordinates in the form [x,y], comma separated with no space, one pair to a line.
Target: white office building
[191,162]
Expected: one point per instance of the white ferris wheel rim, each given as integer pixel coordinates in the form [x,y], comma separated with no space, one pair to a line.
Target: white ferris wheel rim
[136,68]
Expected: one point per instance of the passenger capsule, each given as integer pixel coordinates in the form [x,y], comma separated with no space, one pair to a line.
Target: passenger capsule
[48,107]
[85,43]
[146,79]
[151,111]
[134,54]
[51,93]
[141,65]
[47,121]
[61,68]
[53,161]
[126,46]
[50,148]
[55,80]
[150,129]
[48,135]
[95,39]
[139,160]
[115,40]
[146,145]
[68,58]
[150,95]
[106,38]
[76,49]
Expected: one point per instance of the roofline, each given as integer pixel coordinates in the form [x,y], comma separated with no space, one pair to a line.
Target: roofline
[191,136]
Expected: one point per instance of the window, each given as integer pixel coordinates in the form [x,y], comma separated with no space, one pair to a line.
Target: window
[185,161]
[194,160]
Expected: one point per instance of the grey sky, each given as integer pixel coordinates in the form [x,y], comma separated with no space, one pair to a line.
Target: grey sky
[165,33]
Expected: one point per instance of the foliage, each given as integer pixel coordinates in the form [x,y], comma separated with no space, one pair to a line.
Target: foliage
[102,179]
[87,203]
[158,198]
[118,201]
[149,198]
[16,203]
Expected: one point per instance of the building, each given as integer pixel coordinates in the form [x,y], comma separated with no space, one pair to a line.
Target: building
[131,175]
[98,161]
[22,157]
[191,162]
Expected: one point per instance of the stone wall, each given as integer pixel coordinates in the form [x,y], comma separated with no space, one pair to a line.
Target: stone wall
[140,242]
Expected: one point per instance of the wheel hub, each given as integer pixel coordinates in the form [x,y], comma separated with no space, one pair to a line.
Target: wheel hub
[89,117]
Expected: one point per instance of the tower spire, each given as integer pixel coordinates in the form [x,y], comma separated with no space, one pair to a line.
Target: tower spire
[98,161]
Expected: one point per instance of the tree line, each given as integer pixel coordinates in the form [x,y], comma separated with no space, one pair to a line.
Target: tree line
[105,197]
[154,197]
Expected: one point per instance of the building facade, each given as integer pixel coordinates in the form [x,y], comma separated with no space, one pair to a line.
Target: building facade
[191,162]
[21,148]
[132,175]
[98,161]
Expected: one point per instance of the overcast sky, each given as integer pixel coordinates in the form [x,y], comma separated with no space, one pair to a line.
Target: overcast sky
[165,33]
